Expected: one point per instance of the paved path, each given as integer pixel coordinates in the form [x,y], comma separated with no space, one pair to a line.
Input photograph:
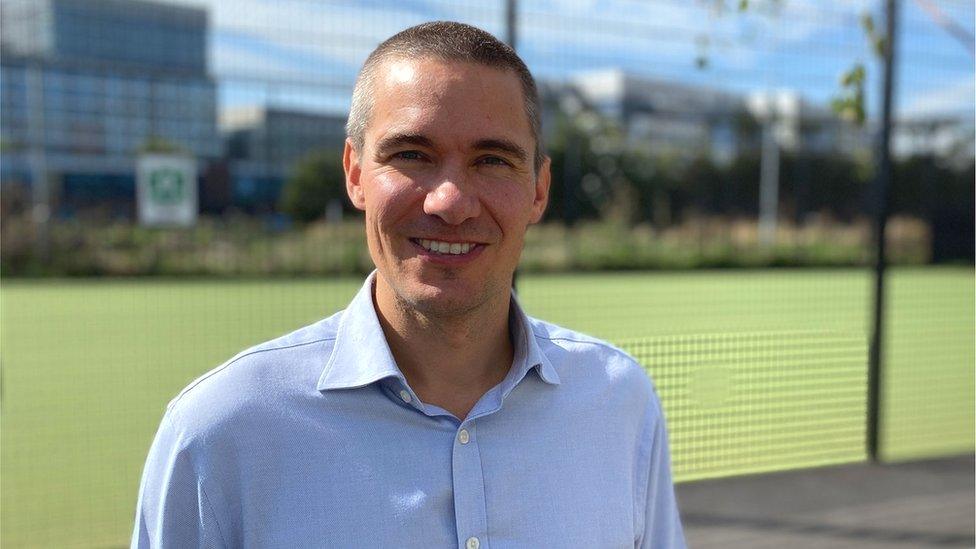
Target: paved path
[925,504]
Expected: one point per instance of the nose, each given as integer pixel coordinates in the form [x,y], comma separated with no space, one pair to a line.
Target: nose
[452,200]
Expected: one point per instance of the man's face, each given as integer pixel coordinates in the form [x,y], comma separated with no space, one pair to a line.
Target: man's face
[447,183]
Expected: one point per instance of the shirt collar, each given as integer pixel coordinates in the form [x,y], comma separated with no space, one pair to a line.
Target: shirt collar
[362,356]
[528,354]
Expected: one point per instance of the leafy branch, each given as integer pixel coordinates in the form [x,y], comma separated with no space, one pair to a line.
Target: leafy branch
[849,101]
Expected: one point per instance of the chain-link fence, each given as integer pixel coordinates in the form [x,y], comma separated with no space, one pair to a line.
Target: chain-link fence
[711,213]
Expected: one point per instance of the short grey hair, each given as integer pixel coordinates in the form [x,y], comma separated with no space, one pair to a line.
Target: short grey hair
[448,41]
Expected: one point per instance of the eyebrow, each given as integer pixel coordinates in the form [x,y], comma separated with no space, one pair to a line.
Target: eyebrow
[502,145]
[396,140]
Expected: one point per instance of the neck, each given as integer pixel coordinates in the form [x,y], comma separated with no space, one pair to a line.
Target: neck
[448,361]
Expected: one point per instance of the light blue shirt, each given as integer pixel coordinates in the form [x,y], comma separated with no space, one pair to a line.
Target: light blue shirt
[315,439]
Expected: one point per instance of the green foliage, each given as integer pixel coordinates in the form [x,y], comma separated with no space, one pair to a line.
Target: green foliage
[157,144]
[6,145]
[317,180]
[849,103]
[586,154]
[635,186]
[632,210]
[720,7]
[246,248]
[878,41]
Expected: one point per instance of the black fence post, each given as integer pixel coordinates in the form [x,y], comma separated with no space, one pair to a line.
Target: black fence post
[510,37]
[511,29]
[881,187]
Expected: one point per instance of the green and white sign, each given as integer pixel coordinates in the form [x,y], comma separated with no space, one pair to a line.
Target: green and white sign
[166,190]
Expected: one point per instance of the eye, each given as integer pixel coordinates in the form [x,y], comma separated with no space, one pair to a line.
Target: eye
[408,155]
[493,161]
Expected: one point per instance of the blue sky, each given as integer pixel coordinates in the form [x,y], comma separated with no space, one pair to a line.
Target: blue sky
[305,53]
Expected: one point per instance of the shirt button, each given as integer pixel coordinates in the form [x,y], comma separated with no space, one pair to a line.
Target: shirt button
[405,396]
[463,438]
[472,543]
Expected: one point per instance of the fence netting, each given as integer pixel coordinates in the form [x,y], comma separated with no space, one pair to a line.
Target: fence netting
[711,211]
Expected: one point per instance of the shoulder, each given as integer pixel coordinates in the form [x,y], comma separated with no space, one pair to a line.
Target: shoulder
[583,350]
[581,358]
[256,378]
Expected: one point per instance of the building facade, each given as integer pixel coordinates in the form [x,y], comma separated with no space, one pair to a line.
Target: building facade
[86,85]
[264,145]
[680,119]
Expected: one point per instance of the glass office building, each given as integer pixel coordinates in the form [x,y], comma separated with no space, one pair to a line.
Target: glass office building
[265,145]
[85,85]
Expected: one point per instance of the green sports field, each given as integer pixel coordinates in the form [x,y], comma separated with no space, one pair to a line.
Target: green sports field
[757,370]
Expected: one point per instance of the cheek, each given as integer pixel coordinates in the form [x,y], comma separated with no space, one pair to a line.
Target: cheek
[391,198]
[511,202]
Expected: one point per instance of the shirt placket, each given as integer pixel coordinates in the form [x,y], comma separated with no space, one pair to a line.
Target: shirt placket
[470,511]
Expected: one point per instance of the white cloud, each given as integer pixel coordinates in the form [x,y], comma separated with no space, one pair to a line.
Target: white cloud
[310,30]
[620,30]
[300,44]
[954,99]
[326,33]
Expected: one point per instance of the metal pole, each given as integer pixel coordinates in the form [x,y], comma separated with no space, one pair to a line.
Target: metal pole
[511,11]
[40,186]
[510,34]
[882,183]
[572,172]
[769,177]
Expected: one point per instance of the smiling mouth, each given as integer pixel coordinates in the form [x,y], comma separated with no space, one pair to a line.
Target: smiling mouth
[445,248]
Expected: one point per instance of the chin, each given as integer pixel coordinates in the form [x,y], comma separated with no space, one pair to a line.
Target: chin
[439,301]
[448,298]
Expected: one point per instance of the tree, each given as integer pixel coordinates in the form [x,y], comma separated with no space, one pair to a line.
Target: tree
[848,103]
[317,181]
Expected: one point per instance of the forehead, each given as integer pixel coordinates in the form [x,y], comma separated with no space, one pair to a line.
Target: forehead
[449,99]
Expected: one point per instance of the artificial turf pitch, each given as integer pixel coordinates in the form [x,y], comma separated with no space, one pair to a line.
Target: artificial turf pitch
[757,370]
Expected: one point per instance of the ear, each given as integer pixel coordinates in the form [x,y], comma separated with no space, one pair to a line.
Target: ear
[350,164]
[541,199]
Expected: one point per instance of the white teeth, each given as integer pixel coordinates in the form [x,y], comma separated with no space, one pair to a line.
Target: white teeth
[453,248]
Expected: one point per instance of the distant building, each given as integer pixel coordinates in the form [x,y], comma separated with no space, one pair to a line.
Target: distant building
[86,84]
[666,117]
[265,144]
[949,136]
[681,119]
[799,125]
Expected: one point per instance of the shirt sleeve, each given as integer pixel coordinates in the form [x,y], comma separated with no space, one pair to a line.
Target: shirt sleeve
[173,508]
[662,523]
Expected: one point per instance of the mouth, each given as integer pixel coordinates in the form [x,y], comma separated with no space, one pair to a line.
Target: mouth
[440,247]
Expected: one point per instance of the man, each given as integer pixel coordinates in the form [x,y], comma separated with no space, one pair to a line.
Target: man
[431,412]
